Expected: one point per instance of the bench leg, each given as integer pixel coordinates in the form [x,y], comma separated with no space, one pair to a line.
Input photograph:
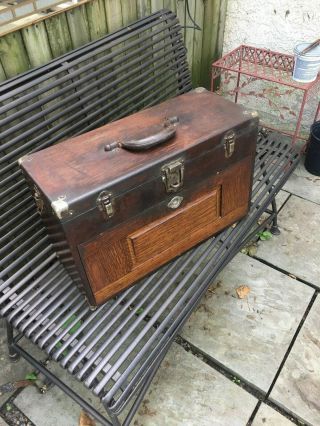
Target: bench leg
[274,228]
[13,354]
[114,419]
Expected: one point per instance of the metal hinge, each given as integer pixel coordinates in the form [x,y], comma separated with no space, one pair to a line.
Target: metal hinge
[172,175]
[104,203]
[60,207]
[229,143]
[252,113]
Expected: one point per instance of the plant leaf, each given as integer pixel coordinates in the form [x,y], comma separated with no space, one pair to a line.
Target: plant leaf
[31,376]
[267,235]
[264,235]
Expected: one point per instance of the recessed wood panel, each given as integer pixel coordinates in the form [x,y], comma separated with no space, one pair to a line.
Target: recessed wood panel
[173,229]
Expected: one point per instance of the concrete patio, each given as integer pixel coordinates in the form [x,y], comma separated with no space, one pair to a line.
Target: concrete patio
[252,361]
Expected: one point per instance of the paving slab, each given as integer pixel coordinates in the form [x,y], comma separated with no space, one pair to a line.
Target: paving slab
[11,372]
[188,392]
[3,422]
[267,416]
[55,407]
[304,184]
[185,390]
[249,336]
[297,248]
[13,416]
[298,385]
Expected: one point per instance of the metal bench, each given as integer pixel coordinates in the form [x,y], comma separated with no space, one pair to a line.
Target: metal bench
[116,349]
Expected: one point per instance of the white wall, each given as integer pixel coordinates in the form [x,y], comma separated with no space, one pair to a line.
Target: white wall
[276,25]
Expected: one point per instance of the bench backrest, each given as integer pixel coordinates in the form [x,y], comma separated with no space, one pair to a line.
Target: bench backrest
[123,72]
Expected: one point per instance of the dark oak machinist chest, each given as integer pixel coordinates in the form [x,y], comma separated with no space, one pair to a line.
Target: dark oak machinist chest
[122,200]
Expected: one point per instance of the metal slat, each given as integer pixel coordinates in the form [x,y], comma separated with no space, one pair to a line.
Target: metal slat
[58,324]
[160,88]
[14,231]
[121,67]
[40,295]
[26,254]
[16,196]
[100,101]
[15,218]
[25,243]
[110,315]
[20,238]
[48,318]
[21,204]
[10,179]
[39,318]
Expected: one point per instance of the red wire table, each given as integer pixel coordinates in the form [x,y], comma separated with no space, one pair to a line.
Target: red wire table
[248,74]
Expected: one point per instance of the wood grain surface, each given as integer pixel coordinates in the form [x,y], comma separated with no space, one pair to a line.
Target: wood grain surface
[118,257]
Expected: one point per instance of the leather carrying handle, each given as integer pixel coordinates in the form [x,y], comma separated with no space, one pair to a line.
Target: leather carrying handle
[151,141]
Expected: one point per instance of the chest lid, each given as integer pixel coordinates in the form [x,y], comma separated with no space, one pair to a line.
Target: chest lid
[87,171]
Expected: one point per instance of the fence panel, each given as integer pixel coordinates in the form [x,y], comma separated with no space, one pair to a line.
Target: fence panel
[55,35]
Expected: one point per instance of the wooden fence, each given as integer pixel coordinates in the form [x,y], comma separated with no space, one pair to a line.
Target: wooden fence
[52,36]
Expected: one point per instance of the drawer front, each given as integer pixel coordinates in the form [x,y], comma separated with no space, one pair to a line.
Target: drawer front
[121,256]
[193,221]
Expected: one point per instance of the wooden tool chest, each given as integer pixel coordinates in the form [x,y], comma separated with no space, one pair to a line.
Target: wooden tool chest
[121,200]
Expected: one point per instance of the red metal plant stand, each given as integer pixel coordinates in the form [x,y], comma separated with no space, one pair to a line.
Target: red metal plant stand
[248,74]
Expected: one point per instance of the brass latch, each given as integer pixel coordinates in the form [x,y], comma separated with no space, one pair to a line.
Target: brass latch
[172,175]
[104,203]
[229,143]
